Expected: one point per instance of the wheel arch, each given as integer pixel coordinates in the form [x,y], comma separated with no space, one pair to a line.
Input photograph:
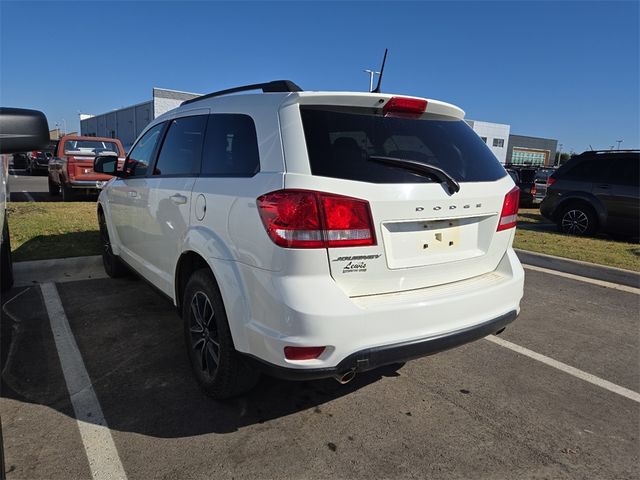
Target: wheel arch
[229,282]
[582,198]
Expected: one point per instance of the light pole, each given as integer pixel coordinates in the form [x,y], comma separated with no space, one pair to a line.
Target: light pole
[64,122]
[559,154]
[619,142]
[371,73]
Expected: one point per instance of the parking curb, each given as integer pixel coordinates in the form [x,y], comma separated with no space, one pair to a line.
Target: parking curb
[581,268]
[58,270]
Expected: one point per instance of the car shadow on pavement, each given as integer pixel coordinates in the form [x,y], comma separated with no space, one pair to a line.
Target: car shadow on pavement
[131,342]
[42,247]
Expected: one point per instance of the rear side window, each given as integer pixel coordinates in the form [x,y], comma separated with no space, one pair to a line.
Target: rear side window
[230,146]
[182,147]
[138,160]
[340,144]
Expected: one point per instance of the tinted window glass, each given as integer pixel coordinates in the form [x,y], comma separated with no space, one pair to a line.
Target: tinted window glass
[340,144]
[182,147]
[138,160]
[230,146]
[588,170]
[621,169]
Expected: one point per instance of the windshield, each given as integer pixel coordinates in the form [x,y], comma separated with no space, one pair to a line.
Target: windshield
[340,143]
[90,147]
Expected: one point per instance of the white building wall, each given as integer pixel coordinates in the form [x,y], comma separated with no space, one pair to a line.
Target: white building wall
[496,134]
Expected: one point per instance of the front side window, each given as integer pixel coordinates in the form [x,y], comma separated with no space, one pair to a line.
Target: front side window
[138,160]
[182,147]
[230,146]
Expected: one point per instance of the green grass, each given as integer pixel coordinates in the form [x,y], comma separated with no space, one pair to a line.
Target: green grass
[43,230]
[602,250]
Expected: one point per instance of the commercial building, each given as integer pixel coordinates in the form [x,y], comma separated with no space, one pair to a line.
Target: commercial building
[525,150]
[495,135]
[128,122]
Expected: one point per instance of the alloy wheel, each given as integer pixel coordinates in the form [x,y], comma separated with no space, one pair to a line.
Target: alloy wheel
[575,222]
[205,340]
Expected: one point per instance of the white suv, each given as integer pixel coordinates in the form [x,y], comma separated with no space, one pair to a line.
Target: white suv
[315,234]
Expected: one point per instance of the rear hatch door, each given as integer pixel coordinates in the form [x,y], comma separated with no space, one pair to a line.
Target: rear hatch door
[426,234]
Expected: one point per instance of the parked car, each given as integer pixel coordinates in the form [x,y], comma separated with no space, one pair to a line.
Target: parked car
[20,160]
[315,234]
[539,189]
[20,130]
[39,162]
[71,168]
[525,175]
[596,191]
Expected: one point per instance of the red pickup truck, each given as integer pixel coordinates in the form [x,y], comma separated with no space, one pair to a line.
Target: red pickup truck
[71,168]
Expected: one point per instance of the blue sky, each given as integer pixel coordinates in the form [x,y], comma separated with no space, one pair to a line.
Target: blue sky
[565,70]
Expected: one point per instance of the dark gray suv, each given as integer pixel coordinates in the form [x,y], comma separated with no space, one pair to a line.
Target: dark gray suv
[596,191]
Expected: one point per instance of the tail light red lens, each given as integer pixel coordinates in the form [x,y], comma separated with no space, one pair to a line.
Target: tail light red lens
[302,353]
[534,189]
[509,214]
[404,105]
[309,219]
[71,168]
[550,181]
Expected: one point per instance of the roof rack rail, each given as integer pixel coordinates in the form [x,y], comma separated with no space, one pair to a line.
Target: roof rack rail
[610,151]
[269,87]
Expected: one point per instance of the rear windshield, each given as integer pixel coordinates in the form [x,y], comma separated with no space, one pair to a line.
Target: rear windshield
[340,144]
[90,147]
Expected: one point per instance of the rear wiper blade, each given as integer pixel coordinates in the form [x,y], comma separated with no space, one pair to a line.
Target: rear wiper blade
[421,169]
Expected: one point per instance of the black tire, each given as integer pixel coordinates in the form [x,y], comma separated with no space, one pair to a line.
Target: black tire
[54,189]
[578,219]
[6,267]
[68,194]
[220,371]
[112,263]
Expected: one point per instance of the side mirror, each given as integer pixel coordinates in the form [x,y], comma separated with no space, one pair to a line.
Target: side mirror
[22,130]
[107,163]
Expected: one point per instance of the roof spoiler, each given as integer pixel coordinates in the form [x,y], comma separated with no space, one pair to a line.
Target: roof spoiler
[275,86]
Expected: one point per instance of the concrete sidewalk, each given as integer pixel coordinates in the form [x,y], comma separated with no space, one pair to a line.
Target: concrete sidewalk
[58,270]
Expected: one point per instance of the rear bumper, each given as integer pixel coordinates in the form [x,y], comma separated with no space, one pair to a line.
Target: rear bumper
[367,331]
[87,184]
[375,357]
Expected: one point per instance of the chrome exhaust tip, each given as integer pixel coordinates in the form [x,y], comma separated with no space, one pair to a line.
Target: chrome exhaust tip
[346,377]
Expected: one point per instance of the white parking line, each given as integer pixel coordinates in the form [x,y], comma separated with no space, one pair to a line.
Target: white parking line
[28,195]
[102,454]
[587,377]
[593,281]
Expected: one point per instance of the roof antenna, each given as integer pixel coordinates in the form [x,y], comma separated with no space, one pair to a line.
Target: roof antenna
[384,59]
[590,147]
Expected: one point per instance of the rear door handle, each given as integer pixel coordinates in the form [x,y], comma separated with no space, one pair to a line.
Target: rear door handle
[178,199]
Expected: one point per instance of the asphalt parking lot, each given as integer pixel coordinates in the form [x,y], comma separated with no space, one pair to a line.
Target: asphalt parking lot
[555,396]
[27,188]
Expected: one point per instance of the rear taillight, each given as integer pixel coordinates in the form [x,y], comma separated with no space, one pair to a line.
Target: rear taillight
[302,353]
[550,181]
[309,219]
[405,106]
[534,189]
[509,214]
[71,168]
